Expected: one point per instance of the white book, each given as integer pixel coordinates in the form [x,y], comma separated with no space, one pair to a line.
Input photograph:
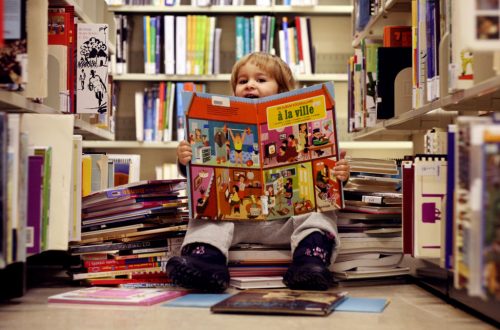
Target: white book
[55,131]
[257,282]
[211,46]
[305,45]
[218,33]
[139,116]
[169,29]
[13,191]
[256,33]
[389,260]
[75,216]
[134,165]
[92,57]
[180,44]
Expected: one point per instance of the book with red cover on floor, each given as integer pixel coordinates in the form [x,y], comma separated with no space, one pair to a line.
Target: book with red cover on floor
[262,159]
[116,296]
[320,303]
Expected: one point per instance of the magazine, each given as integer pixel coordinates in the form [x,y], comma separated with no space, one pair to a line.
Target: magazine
[262,159]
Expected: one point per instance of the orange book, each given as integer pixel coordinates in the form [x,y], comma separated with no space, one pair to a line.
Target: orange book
[397,36]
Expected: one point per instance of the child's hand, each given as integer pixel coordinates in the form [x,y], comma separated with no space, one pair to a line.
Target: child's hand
[184,152]
[342,169]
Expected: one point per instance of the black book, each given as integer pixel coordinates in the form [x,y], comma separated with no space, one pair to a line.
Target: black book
[390,61]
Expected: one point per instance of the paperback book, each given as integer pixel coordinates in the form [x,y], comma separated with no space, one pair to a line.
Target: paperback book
[262,159]
[116,296]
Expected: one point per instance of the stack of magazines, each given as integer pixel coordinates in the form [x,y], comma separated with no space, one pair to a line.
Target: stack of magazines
[129,232]
[370,224]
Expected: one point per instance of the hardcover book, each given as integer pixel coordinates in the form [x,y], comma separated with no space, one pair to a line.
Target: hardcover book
[281,302]
[262,159]
[116,296]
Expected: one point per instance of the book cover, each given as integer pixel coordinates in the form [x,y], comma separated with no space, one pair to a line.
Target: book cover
[92,68]
[263,159]
[281,302]
[204,300]
[363,305]
[116,296]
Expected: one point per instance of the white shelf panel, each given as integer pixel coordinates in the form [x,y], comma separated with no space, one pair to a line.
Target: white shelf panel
[390,5]
[220,77]
[231,10]
[90,131]
[129,145]
[15,102]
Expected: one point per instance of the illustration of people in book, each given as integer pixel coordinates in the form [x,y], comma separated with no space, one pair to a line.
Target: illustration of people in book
[220,139]
[82,78]
[303,142]
[99,88]
[237,139]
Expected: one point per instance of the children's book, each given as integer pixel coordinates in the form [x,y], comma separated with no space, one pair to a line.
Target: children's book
[363,305]
[197,300]
[281,302]
[257,282]
[116,296]
[262,159]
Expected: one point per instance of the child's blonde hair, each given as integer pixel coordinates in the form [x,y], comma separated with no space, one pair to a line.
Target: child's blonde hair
[271,64]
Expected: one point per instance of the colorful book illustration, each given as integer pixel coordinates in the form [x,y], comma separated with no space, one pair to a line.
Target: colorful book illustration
[281,302]
[92,68]
[265,158]
[363,305]
[116,296]
[204,300]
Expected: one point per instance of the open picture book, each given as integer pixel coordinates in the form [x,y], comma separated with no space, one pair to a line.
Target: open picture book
[262,159]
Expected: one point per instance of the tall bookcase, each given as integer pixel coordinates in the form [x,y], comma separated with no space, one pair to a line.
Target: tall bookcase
[30,103]
[330,21]
[412,124]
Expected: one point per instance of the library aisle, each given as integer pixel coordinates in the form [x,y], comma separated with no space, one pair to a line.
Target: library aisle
[411,307]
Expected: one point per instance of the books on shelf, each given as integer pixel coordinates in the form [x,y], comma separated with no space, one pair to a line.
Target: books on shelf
[282,150]
[281,302]
[116,296]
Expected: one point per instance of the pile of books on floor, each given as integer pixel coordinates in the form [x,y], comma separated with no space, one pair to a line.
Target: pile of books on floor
[129,232]
[369,226]
[258,266]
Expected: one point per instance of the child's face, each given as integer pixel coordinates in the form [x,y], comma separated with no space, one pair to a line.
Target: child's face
[253,82]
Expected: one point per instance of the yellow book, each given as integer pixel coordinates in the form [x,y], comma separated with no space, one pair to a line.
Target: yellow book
[86,175]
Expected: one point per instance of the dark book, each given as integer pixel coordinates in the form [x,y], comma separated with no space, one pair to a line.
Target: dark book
[80,249]
[3,189]
[390,61]
[35,189]
[280,302]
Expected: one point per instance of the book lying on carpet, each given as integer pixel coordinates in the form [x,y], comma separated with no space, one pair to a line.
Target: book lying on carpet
[363,305]
[281,302]
[257,282]
[383,261]
[116,296]
[197,300]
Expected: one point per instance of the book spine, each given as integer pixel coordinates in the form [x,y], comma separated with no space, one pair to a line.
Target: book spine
[118,246]
[96,269]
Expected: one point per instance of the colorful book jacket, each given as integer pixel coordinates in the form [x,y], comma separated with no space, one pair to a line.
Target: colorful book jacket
[92,68]
[116,296]
[262,159]
[281,302]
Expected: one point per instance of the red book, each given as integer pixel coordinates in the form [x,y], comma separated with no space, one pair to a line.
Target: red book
[97,269]
[299,43]
[397,36]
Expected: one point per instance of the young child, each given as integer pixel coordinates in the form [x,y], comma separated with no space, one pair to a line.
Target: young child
[313,236]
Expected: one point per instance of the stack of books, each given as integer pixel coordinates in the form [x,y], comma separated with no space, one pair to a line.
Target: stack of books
[370,224]
[258,266]
[129,232]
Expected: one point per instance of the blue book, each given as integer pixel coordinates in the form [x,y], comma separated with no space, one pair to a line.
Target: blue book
[363,305]
[204,300]
[450,186]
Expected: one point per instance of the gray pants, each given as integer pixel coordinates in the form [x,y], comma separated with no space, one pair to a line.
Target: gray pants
[224,234]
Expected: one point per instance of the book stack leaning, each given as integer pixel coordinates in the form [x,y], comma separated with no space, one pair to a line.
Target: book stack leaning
[370,224]
[129,232]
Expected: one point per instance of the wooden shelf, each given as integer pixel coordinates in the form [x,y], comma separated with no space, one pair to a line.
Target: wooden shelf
[389,6]
[232,10]
[129,145]
[92,132]
[16,102]
[225,77]
[484,96]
